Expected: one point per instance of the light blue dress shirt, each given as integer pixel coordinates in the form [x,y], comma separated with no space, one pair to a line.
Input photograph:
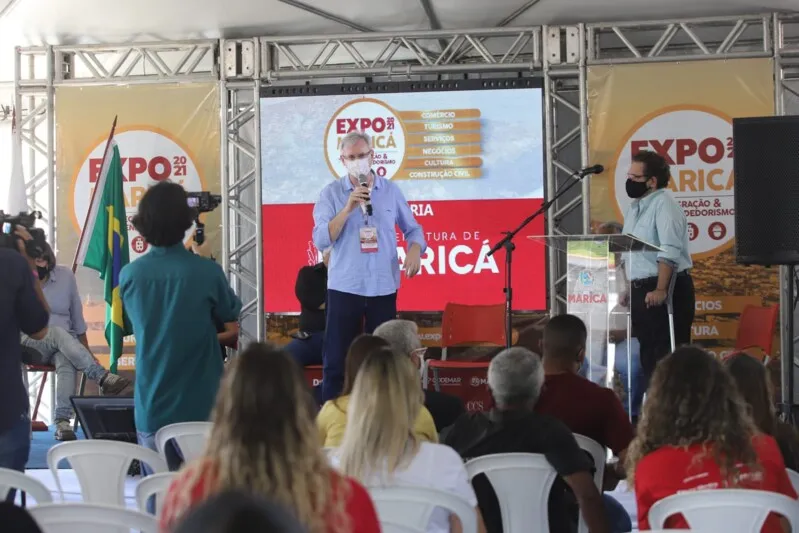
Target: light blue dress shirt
[659,220]
[66,309]
[353,271]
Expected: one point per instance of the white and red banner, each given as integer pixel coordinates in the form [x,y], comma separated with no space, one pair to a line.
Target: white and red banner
[469,162]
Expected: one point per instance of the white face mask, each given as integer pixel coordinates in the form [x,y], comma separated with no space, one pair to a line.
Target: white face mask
[358,167]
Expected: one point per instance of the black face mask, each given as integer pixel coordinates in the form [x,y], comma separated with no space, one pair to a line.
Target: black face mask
[636,189]
[43,272]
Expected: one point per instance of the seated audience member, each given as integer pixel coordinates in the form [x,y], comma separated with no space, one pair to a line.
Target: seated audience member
[696,434]
[380,448]
[173,299]
[280,460]
[515,377]
[239,512]
[752,380]
[586,408]
[311,291]
[16,519]
[403,336]
[66,346]
[332,418]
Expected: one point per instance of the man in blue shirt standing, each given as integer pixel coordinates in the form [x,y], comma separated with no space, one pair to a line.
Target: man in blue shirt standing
[173,298]
[358,223]
[655,217]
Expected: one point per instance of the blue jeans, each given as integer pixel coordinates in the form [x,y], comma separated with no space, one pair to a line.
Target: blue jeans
[15,445]
[635,395]
[349,315]
[307,352]
[174,459]
[618,518]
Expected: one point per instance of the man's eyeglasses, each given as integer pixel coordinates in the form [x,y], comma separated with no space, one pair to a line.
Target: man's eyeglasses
[419,352]
[356,157]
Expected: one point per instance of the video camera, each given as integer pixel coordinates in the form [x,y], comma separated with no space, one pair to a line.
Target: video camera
[8,239]
[203,202]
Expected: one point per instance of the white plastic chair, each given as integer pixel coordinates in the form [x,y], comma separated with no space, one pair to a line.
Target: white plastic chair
[598,454]
[190,437]
[154,485]
[101,467]
[794,477]
[90,518]
[11,479]
[728,510]
[522,482]
[410,508]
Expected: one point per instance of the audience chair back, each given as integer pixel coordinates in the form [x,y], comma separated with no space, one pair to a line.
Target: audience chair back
[101,467]
[410,508]
[91,518]
[728,510]
[794,477]
[190,438]
[156,486]
[521,482]
[598,455]
[756,328]
[11,479]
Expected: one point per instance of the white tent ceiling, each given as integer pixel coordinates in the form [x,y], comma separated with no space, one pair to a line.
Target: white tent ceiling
[87,21]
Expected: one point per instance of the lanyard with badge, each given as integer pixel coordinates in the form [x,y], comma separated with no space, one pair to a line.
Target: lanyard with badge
[368,234]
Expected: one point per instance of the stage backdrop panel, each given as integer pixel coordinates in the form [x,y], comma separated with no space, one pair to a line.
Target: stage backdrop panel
[164,132]
[469,161]
[684,111]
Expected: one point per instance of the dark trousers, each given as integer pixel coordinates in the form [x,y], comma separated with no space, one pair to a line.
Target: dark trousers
[651,324]
[349,315]
[15,445]
[307,351]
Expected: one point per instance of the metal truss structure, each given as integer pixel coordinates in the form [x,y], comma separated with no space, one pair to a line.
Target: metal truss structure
[560,55]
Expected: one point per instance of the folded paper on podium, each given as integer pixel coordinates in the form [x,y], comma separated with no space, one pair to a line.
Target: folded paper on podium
[597,290]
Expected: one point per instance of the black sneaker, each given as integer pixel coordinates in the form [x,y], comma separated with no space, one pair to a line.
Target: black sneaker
[63,430]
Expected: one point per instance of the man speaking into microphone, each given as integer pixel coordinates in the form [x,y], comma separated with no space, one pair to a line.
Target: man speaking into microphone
[356,217]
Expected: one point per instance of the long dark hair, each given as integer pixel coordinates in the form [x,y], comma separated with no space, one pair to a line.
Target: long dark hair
[361,347]
[692,399]
[754,385]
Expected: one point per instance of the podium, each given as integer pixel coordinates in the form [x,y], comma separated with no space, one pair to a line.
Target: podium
[598,272]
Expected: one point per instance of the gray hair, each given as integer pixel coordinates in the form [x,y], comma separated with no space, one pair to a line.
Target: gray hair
[353,137]
[402,335]
[515,377]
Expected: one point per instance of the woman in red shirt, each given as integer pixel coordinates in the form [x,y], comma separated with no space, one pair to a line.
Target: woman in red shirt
[264,441]
[696,434]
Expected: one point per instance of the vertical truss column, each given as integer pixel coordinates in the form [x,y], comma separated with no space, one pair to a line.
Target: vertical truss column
[566,138]
[241,181]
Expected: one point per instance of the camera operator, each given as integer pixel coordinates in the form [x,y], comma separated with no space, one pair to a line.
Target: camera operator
[172,299]
[22,308]
[66,346]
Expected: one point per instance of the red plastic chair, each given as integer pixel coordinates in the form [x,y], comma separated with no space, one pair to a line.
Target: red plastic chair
[756,328]
[467,325]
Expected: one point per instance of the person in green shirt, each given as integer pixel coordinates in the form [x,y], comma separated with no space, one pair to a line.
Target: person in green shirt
[173,298]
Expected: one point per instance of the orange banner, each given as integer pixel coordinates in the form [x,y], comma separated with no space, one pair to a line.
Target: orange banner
[714,330]
[443,114]
[443,138]
[442,127]
[444,151]
[455,162]
[725,305]
[438,174]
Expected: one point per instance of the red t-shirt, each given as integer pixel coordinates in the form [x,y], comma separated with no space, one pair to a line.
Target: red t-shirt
[359,506]
[587,409]
[670,470]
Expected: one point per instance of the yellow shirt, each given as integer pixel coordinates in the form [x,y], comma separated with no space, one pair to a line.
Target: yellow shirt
[332,421]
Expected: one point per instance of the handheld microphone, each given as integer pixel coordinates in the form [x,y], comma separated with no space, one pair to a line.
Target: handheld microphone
[596,169]
[366,206]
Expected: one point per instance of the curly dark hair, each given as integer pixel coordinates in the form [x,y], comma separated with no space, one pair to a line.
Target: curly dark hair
[692,399]
[164,214]
[655,166]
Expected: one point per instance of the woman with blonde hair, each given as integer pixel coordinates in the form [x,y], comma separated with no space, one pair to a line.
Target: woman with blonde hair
[332,418]
[264,442]
[380,447]
[696,434]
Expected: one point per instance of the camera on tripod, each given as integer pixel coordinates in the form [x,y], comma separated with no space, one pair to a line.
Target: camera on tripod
[203,202]
[8,238]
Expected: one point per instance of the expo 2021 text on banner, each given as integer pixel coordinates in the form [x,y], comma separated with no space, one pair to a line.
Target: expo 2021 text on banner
[165,132]
[684,111]
[469,162]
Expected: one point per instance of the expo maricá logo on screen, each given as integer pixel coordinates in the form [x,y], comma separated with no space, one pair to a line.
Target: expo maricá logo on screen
[697,143]
[377,120]
[148,156]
